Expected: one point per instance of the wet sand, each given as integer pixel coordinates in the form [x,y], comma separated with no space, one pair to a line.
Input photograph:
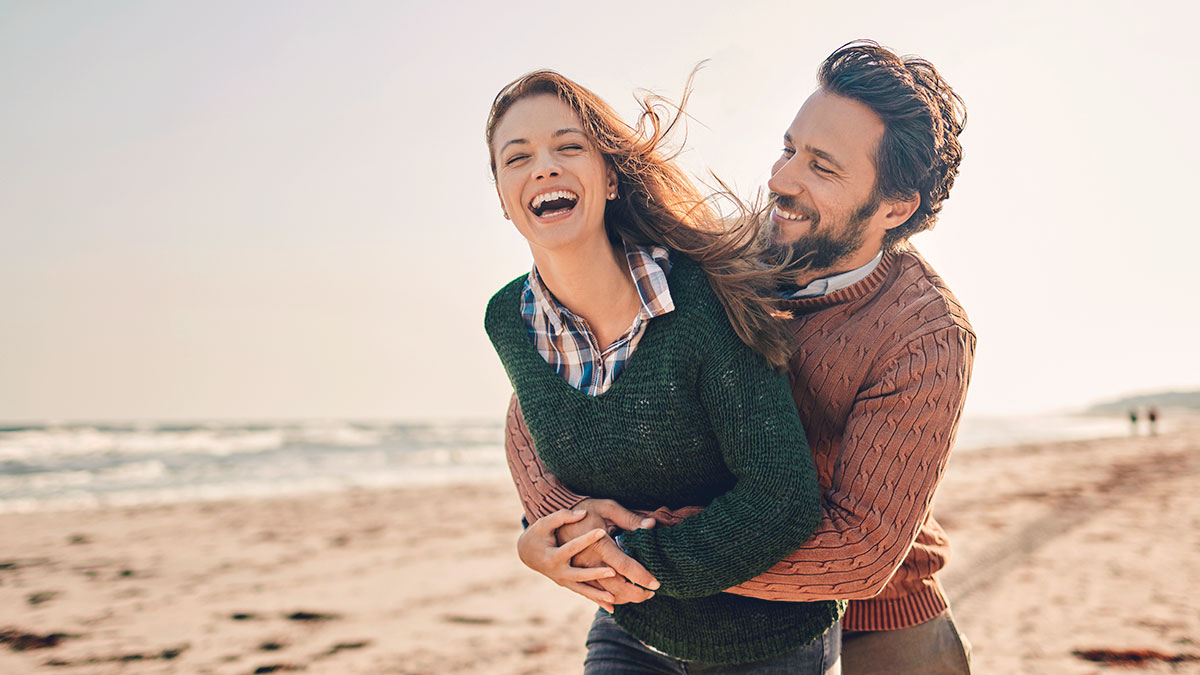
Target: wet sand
[1063,553]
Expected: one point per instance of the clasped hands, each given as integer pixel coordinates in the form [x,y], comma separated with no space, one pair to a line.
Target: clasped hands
[575,549]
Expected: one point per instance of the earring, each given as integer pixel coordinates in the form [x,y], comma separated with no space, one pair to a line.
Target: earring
[612,195]
[506,216]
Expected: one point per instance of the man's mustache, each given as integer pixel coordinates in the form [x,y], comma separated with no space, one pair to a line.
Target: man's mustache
[788,203]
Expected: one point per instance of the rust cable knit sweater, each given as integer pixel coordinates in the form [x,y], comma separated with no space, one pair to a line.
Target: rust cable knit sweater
[879,372]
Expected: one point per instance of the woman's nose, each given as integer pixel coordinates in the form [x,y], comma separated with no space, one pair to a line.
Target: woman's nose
[546,167]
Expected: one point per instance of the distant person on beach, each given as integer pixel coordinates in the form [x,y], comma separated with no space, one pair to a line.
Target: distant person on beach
[632,347]
[881,355]
[1152,418]
[1133,420]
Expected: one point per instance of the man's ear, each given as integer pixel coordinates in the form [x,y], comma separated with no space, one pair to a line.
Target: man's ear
[502,209]
[896,213]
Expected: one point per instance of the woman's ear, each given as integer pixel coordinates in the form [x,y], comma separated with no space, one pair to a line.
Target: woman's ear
[502,209]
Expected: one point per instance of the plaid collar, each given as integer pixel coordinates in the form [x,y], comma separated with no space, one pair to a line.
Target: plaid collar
[649,266]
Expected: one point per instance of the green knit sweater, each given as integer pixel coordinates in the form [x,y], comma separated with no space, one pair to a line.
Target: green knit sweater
[696,418]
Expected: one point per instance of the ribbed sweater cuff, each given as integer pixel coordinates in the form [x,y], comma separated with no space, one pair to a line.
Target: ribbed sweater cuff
[895,613]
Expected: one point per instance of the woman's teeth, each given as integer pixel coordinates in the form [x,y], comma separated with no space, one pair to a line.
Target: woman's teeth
[538,200]
[553,203]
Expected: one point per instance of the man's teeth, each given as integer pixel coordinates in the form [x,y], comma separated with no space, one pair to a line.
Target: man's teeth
[788,215]
[551,196]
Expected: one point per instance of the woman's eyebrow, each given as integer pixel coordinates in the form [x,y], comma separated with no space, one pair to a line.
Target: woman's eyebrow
[560,132]
[515,140]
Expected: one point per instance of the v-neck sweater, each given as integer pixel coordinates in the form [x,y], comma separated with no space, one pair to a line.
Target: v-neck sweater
[696,418]
[879,373]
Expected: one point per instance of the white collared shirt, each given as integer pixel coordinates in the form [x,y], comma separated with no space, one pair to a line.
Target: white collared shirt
[834,283]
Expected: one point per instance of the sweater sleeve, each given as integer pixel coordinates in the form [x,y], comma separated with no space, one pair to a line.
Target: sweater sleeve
[774,503]
[541,493]
[893,455]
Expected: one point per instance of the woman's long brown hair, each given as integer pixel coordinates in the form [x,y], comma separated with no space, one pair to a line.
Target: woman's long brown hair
[658,204]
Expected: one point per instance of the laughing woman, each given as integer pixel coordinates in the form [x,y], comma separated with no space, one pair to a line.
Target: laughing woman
[641,347]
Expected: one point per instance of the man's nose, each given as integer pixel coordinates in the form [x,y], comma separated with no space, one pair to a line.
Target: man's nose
[785,179]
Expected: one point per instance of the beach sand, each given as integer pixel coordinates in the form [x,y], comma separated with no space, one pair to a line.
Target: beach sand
[1058,549]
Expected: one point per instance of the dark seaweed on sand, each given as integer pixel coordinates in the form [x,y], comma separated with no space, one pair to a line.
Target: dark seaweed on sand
[311,616]
[19,641]
[347,645]
[278,667]
[164,655]
[1132,657]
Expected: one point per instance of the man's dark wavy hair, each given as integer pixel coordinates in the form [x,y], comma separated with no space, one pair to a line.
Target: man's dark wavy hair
[919,152]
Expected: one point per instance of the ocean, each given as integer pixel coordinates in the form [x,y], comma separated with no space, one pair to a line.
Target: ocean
[88,465]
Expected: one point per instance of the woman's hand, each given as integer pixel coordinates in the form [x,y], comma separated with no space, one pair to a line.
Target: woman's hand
[539,550]
[632,583]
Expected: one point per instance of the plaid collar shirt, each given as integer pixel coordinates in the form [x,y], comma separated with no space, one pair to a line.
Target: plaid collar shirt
[568,344]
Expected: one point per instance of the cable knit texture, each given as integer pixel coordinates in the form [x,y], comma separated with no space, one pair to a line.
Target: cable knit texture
[696,418]
[879,373]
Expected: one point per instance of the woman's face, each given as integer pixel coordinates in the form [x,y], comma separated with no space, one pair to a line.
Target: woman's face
[552,181]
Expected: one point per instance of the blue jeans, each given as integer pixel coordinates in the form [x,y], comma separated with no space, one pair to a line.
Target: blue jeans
[612,651]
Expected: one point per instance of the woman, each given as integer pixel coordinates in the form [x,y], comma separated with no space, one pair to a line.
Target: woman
[629,348]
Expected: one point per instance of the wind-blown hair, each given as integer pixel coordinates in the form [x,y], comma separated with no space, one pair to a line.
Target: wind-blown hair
[919,152]
[657,203]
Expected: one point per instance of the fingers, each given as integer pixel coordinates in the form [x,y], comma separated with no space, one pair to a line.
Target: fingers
[536,547]
[602,598]
[558,519]
[573,547]
[666,517]
[616,514]
[586,573]
[604,582]
[614,557]
[571,530]
[624,592]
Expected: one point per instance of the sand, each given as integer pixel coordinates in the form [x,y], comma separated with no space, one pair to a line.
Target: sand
[1058,549]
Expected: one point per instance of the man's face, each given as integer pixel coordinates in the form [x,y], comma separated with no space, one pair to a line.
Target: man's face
[823,185]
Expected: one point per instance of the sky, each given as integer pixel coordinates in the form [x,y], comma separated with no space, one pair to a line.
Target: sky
[283,209]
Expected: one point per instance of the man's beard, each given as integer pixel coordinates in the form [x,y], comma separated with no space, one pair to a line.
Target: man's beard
[820,250]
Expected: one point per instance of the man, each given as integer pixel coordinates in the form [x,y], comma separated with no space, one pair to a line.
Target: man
[882,354]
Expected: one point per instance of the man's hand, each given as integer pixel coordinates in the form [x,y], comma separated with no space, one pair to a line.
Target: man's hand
[632,583]
[616,517]
[540,552]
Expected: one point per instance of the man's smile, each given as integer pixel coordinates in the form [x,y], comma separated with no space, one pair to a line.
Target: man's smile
[788,209]
[789,215]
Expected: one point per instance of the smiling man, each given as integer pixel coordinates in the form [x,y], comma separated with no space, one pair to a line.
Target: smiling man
[826,208]
[881,358]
